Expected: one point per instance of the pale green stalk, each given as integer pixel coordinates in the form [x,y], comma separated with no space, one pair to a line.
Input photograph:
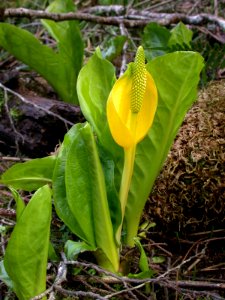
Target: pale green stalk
[129,157]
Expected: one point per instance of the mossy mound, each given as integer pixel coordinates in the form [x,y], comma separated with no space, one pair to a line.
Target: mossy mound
[189,194]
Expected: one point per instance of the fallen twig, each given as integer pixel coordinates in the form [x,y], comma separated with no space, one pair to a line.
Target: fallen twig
[130,285]
[14,159]
[7,212]
[135,18]
[200,285]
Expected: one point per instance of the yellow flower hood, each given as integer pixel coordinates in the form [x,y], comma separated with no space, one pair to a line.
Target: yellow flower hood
[132,104]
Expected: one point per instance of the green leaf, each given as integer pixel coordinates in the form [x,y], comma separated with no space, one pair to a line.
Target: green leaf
[114,47]
[144,227]
[72,249]
[72,183]
[146,271]
[30,175]
[26,254]
[108,166]
[69,42]
[20,205]
[3,229]
[180,35]
[57,69]
[94,84]
[176,76]
[158,259]
[143,261]
[58,184]
[158,40]
[155,40]
[79,186]
[86,194]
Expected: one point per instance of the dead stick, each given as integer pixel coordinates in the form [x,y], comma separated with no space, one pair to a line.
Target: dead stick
[134,19]
[201,285]
[7,212]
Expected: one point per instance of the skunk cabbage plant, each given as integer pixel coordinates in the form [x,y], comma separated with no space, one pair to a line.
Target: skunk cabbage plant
[105,168]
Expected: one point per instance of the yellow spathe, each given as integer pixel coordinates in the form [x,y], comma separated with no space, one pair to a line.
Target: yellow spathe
[129,128]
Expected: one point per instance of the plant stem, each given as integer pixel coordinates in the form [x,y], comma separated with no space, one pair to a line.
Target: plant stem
[129,156]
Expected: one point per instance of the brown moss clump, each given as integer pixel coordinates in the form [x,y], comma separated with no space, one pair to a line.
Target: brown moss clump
[189,194]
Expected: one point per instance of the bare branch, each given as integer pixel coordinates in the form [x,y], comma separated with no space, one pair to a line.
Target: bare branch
[14,159]
[130,285]
[201,284]
[7,212]
[135,18]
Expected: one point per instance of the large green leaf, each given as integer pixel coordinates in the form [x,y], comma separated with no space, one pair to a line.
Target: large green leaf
[86,193]
[176,76]
[26,254]
[59,69]
[69,41]
[25,47]
[108,166]
[59,188]
[67,185]
[30,175]
[94,84]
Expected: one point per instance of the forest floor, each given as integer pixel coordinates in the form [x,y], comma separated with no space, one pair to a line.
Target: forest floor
[186,243]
